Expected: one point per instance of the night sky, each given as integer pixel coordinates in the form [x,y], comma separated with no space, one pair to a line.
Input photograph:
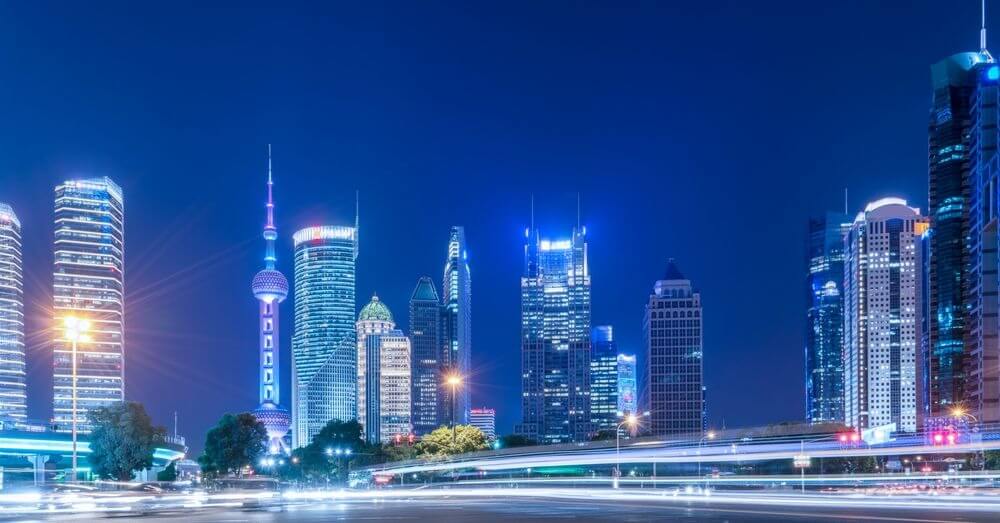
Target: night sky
[703,131]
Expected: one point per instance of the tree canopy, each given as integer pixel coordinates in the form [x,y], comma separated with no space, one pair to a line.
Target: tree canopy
[312,460]
[234,443]
[440,443]
[516,440]
[122,440]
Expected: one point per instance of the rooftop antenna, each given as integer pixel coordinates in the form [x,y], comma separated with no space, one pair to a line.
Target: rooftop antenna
[357,208]
[982,33]
[845,201]
[532,212]
[175,424]
[578,211]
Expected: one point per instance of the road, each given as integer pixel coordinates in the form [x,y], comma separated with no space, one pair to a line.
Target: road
[542,508]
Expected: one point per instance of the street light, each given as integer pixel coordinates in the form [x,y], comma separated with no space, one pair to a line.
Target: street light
[959,412]
[631,420]
[708,435]
[76,331]
[453,381]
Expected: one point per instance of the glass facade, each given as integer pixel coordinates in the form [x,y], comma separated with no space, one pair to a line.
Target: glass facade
[603,378]
[555,339]
[825,318]
[628,396]
[485,420]
[324,345]
[12,364]
[456,353]
[89,283]
[674,370]
[425,336]
[881,303]
[948,128]
[982,371]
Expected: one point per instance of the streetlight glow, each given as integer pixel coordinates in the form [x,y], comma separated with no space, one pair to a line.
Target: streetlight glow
[75,331]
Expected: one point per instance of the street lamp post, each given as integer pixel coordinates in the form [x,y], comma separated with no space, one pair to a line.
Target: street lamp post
[453,381]
[959,412]
[631,420]
[75,332]
[708,435]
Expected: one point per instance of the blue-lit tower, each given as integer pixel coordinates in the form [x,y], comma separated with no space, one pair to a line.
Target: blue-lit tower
[456,354]
[604,410]
[270,287]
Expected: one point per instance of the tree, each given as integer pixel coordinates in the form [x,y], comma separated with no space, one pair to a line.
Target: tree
[313,462]
[234,443]
[169,473]
[440,443]
[516,440]
[991,459]
[122,440]
[604,435]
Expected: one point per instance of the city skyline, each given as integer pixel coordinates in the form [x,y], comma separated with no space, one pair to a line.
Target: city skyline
[201,252]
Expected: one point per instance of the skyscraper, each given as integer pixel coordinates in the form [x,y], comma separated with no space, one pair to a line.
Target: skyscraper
[981,363]
[12,364]
[555,339]
[457,327]
[324,345]
[425,336]
[485,420]
[603,378]
[270,288]
[674,371]
[825,318]
[628,399]
[946,318]
[89,284]
[881,286]
[384,386]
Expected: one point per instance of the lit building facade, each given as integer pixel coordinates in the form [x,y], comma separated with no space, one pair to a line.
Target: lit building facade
[881,293]
[603,378]
[270,287]
[555,339]
[324,344]
[485,420]
[384,375]
[982,362]
[825,318]
[456,353]
[89,283]
[628,396]
[13,386]
[426,339]
[674,344]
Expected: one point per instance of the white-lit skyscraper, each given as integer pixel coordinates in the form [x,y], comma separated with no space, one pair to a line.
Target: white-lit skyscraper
[485,420]
[384,367]
[89,283]
[324,346]
[12,365]
[555,339]
[674,371]
[456,355]
[881,286]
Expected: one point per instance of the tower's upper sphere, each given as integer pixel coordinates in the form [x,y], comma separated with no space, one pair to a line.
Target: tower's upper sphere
[275,419]
[270,285]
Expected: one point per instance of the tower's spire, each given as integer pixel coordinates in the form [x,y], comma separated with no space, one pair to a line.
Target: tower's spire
[532,212]
[982,32]
[578,211]
[270,231]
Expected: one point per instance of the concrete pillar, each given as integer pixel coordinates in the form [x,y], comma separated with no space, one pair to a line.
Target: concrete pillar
[38,467]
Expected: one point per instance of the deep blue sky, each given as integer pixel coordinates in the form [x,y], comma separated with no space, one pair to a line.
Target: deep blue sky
[704,131]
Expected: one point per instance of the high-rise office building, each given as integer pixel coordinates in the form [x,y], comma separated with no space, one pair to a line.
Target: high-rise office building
[946,311]
[555,339]
[384,372]
[881,287]
[270,287]
[13,385]
[674,371]
[628,397]
[425,337]
[89,284]
[324,345]
[981,361]
[603,378]
[825,318]
[485,420]
[456,354]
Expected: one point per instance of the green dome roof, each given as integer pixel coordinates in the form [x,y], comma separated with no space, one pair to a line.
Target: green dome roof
[375,311]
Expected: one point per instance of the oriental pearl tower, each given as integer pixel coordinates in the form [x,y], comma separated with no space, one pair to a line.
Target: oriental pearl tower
[270,288]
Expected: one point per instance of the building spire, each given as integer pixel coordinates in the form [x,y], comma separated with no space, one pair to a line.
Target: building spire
[577,211]
[270,231]
[982,32]
[532,212]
